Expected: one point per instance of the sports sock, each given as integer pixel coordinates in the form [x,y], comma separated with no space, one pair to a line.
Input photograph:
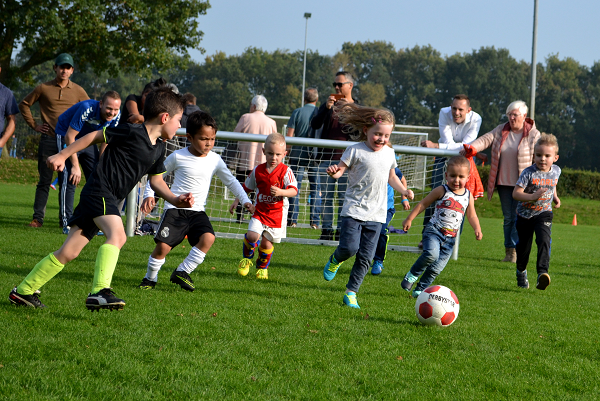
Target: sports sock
[106,261]
[264,258]
[193,259]
[154,266]
[40,275]
[248,247]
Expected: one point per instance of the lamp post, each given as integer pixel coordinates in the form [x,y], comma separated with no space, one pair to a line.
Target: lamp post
[533,61]
[307,16]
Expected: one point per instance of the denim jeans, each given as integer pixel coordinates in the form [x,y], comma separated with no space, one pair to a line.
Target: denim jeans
[357,238]
[437,249]
[509,211]
[328,191]
[437,179]
[384,237]
[46,148]
[299,167]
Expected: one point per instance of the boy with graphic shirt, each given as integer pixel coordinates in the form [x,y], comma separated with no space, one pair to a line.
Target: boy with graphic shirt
[536,190]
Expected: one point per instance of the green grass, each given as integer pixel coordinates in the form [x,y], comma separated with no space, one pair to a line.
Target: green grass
[290,338]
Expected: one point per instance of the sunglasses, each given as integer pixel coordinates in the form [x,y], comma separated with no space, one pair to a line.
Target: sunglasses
[339,84]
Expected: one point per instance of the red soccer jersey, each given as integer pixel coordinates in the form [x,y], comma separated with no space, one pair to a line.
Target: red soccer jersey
[270,209]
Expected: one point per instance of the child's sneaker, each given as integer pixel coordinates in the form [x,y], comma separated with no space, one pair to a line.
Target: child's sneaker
[262,274]
[331,269]
[147,284]
[543,281]
[522,279]
[377,267]
[408,281]
[244,266]
[32,300]
[416,293]
[66,230]
[350,300]
[183,280]
[104,299]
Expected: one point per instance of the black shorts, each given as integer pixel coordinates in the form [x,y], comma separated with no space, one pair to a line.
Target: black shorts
[175,224]
[90,207]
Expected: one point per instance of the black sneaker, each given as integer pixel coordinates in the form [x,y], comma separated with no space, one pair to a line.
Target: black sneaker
[326,235]
[183,280]
[147,284]
[522,279]
[104,299]
[543,281]
[32,300]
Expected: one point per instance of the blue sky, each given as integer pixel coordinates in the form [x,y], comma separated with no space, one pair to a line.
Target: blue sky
[569,29]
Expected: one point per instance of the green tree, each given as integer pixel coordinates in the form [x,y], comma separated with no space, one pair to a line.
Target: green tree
[138,35]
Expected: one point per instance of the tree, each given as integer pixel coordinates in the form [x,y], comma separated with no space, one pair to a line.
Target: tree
[131,35]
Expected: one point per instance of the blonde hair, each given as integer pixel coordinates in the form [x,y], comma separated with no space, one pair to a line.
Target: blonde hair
[548,140]
[275,139]
[356,117]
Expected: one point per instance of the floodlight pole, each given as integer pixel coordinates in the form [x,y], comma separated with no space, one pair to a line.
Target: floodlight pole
[533,61]
[307,16]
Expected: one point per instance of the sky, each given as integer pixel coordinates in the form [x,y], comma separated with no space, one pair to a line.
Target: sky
[569,29]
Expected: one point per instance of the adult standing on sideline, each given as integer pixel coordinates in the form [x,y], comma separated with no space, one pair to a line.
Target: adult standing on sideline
[250,154]
[512,151]
[9,110]
[190,107]
[133,112]
[55,97]
[301,158]
[78,121]
[332,129]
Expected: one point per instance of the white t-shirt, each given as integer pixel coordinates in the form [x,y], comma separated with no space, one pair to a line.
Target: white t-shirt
[194,174]
[368,175]
[452,135]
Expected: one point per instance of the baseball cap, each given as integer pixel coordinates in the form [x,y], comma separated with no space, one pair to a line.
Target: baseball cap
[64,58]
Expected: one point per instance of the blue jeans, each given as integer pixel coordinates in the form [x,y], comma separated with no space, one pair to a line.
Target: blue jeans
[437,179]
[314,187]
[437,249]
[328,190]
[509,211]
[384,237]
[357,238]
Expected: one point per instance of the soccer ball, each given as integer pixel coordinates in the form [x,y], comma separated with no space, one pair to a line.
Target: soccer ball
[437,306]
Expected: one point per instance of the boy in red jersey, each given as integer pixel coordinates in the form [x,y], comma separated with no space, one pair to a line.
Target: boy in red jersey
[273,183]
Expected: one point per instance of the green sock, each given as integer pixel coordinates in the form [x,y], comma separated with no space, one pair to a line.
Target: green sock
[40,275]
[106,261]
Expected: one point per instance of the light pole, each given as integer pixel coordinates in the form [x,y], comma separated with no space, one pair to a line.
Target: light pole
[307,16]
[533,61]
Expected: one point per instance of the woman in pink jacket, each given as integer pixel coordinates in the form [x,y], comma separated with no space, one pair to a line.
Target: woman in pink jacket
[512,151]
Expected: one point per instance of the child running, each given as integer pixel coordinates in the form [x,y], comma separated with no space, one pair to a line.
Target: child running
[133,151]
[193,169]
[452,202]
[536,190]
[371,166]
[274,183]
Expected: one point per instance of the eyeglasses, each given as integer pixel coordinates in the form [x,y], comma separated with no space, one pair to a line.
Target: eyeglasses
[515,115]
[339,84]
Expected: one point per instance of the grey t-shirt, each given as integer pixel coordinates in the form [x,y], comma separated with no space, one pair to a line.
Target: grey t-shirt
[368,175]
[532,179]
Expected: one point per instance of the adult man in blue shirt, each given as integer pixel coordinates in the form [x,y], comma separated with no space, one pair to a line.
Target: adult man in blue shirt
[79,120]
[9,110]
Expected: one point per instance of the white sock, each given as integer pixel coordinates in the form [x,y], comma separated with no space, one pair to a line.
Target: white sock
[192,261]
[154,266]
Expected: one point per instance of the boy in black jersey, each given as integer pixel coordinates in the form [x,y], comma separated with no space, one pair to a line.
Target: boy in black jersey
[133,150]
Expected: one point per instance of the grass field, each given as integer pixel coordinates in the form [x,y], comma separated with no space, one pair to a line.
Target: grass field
[290,338]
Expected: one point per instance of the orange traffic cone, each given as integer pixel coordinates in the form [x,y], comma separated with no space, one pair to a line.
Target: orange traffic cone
[574,220]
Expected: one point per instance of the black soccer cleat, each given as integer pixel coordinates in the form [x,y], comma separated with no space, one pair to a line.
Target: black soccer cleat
[33,300]
[104,299]
[522,279]
[147,284]
[183,280]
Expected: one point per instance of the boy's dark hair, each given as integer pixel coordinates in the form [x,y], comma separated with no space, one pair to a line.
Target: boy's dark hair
[199,119]
[154,85]
[162,100]
[110,94]
[189,98]
[459,161]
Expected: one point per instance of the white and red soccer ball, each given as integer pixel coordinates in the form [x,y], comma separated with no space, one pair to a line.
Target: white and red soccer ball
[437,306]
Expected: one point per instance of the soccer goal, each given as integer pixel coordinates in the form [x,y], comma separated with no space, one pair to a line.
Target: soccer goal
[416,164]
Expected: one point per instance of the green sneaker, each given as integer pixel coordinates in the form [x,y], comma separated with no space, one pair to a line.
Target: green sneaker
[416,293]
[350,300]
[331,269]
[262,274]
[244,266]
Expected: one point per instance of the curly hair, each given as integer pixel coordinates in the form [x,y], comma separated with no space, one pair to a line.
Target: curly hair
[356,117]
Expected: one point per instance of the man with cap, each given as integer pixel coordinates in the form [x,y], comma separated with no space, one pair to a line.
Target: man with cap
[55,97]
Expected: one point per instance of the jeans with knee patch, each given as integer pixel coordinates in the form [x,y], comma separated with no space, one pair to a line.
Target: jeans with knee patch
[437,249]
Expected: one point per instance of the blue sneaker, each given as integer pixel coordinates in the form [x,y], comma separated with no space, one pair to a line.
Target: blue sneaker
[331,269]
[416,293]
[350,300]
[66,230]
[377,267]
[408,281]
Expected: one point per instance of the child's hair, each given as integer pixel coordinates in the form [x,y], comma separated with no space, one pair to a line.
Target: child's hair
[459,161]
[199,119]
[548,140]
[275,139]
[357,117]
[110,94]
[162,100]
